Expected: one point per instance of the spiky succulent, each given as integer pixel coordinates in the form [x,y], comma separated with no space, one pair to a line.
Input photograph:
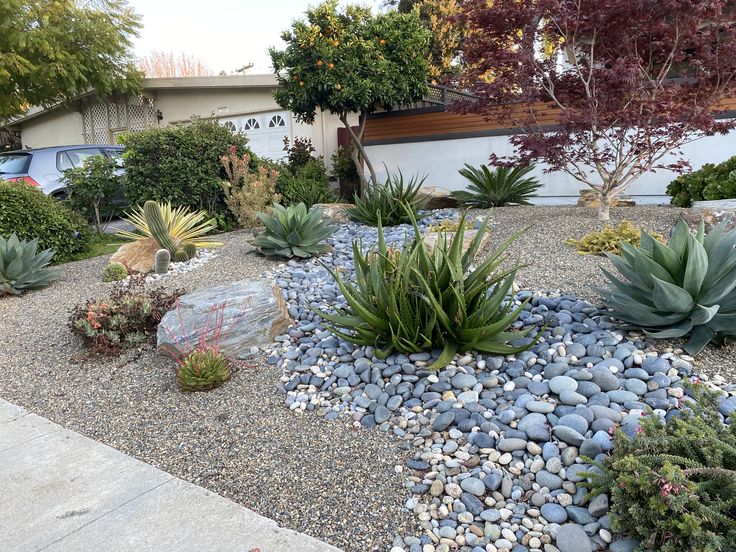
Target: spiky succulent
[22,266]
[687,286]
[416,300]
[388,201]
[293,232]
[498,187]
[203,369]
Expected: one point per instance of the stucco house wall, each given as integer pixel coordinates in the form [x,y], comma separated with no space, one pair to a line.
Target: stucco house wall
[59,127]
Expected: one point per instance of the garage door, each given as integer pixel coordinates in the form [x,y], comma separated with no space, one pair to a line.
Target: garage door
[265,131]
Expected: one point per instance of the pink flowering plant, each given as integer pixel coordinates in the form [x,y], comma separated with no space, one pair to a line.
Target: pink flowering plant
[673,485]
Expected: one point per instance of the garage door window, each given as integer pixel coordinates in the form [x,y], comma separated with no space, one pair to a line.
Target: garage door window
[276,121]
[265,131]
[251,124]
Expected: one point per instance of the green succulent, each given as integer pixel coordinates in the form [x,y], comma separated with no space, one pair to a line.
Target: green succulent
[114,272]
[22,266]
[203,369]
[388,202]
[608,239]
[684,287]
[293,232]
[415,300]
[498,187]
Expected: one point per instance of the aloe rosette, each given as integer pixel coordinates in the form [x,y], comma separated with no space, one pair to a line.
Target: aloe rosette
[686,287]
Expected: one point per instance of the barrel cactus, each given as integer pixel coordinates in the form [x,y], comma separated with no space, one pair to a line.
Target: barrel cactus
[162,261]
[22,266]
[203,369]
[293,232]
[687,286]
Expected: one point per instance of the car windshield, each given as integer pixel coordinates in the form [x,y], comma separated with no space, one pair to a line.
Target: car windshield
[11,163]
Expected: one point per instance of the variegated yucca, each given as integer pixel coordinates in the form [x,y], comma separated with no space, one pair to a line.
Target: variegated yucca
[687,286]
[417,300]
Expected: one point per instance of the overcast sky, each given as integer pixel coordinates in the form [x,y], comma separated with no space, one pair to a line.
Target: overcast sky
[225,34]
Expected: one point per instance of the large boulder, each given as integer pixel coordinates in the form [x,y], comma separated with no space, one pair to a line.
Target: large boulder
[712,213]
[438,198]
[430,239]
[235,317]
[138,255]
[591,198]
[336,213]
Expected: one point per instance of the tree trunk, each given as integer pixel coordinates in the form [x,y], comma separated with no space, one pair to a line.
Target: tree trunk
[355,156]
[359,154]
[604,207]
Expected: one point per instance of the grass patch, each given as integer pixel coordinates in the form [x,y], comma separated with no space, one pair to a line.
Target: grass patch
[106,244]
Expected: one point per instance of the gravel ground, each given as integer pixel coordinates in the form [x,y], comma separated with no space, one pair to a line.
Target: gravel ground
[240,441]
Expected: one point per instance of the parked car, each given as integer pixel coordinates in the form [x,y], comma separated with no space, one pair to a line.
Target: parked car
[43,167]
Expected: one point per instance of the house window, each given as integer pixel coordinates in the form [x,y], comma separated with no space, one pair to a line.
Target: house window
[230,126]
[276,121]
[251,124]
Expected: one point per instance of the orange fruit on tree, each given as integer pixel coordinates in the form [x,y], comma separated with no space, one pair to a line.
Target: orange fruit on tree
[331,65]
[382,42]
[319,63]
[338,87]
[301,83]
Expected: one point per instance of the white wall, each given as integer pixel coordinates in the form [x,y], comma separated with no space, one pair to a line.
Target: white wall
[441,160]
[58,128]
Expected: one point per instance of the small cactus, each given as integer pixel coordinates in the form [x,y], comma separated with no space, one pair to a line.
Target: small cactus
[163,258]
[190,249]
[180,256]
[203,369]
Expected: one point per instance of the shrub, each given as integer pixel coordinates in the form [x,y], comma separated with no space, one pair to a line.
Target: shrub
[414,300]
[180,165]
[202,370]
[344,169]
[92,188]
[299,153]
[308,185]
[608,239]
[293,232]
[22,266]
[30,214]
[128,318]
[449,225]
[673,485]
[178,230]
[247,192]
[683,287]
[708,183]
[114,272]
[502,186]
[388,203]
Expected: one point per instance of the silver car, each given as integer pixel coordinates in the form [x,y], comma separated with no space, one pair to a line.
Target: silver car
[43,167]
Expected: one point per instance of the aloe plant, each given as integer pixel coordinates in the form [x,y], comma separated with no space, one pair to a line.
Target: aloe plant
[22,266]
[293,232]
[498,187]
[389,201]
[687,286]
[415,299]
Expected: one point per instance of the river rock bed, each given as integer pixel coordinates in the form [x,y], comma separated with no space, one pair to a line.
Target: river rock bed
[497,440]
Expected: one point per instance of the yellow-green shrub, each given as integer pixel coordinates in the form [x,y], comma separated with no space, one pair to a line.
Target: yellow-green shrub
[608,239]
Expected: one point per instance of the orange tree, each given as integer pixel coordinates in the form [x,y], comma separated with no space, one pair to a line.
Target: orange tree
[350,61]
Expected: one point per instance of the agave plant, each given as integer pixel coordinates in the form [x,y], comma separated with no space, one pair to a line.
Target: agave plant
[22,267]
[416,299]
[293,232]
[179,224]
[684,287]
[498,187]
[389,201]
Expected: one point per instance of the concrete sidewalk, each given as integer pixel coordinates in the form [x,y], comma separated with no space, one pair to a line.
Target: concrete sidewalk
[60,491]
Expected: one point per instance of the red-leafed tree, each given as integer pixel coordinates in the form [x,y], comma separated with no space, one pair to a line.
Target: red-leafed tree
[632,81]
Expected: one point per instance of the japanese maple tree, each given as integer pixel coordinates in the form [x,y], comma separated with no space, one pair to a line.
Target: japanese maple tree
[349,60]
[632,81]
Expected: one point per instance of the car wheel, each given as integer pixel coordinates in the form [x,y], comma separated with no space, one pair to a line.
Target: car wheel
[61,195]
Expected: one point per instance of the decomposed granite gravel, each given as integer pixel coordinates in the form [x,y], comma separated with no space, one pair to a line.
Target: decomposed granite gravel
[320,477]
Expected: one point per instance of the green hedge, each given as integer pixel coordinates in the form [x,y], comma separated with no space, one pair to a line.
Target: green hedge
[28,212]
[709,183]
[180,164]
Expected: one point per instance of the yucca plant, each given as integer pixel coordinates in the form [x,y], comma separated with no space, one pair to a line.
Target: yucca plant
[389,201]
[498,187]
[293,232]
[22,266]
[203,369]
[416,300]
[685,287]
[175,227]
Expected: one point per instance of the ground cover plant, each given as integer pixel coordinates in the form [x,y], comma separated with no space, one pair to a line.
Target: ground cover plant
[114,272]
[30,214]
[684,287]
[389,202]
[22,266]
[498,187]
[709,183]
[127,318]
[293,231]
[673,485]
[418,300]
[608,239]
[247,191]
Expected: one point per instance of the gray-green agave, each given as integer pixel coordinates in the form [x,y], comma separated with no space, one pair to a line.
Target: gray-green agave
[22,267]
[685,287]
[293,232]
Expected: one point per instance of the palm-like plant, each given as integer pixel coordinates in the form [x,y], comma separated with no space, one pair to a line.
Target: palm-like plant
[22,266]
[389,201]
[498,187]
[416,299]
[293,232]
[183,226]
[685,287]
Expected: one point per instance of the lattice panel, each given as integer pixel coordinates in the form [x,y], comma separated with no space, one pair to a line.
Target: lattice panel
[103,118]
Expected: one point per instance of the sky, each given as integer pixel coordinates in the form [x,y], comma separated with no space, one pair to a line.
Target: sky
[225,34]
